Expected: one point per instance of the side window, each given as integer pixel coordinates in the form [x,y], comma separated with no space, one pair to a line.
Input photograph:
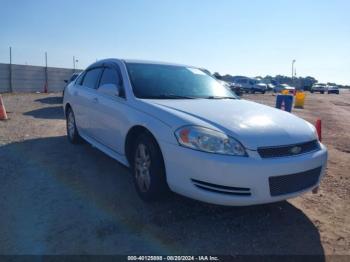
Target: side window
[111,76]
[91,78]
[73,77]
[80,79]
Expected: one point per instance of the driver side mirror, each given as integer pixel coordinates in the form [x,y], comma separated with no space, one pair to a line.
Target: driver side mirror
[110,89]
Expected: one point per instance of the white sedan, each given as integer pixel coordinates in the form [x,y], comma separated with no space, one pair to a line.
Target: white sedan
[178,128]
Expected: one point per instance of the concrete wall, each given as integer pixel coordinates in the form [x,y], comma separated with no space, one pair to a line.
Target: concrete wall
[4,78]
[26,78]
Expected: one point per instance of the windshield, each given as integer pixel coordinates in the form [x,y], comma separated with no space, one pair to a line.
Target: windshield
[174,82]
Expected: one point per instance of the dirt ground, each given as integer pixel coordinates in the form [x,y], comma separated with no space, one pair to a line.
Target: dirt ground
[57,198]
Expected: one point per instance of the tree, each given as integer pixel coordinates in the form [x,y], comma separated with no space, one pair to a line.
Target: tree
[217,75]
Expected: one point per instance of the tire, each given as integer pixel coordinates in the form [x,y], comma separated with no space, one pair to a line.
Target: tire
[72,131]
[311,92]
[322,92]
[263,92]
[148,169]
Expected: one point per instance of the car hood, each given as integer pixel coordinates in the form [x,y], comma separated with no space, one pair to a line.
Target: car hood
[254,125]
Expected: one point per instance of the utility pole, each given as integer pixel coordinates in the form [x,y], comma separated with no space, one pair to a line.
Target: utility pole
[293,71]
[293,68]
[11,70]
[46,76]
[74,61]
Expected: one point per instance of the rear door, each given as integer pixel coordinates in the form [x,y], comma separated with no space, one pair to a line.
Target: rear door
[85,94]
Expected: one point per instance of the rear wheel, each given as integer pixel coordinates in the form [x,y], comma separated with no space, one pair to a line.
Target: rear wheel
[72,131]
[148,169]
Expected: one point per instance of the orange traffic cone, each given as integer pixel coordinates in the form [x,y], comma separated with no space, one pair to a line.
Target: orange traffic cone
[3,115]
[319,129]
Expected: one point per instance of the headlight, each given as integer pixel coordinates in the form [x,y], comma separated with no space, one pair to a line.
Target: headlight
[207,140]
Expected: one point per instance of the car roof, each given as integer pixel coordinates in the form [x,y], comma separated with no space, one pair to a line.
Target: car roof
[153,62]
[115,60]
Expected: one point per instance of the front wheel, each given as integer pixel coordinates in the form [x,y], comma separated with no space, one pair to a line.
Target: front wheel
[148,169]
[72,131]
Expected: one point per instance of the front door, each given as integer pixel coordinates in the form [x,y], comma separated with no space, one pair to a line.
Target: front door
[110,113]
[85,93]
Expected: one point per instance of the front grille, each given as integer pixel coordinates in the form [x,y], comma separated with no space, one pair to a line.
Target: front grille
[288,150]
[227,190]
[287,184]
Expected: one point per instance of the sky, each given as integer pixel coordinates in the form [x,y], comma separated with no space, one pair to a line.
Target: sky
[238,37]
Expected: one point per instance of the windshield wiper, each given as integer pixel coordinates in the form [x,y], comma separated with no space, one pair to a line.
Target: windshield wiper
[173,96]
[170,96]
[220,97]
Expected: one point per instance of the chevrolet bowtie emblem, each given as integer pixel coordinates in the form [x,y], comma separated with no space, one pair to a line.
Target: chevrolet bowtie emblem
[295,150]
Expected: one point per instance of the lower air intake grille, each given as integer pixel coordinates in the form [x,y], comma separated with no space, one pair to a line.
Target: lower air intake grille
[287,184]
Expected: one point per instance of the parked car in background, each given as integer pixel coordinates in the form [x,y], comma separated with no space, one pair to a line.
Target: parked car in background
[270,87]
[178,128]
[250,85]
[319,87]
[332,89]
[279,88]
[237,89]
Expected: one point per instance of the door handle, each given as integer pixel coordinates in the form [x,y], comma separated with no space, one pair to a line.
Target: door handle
[95,100]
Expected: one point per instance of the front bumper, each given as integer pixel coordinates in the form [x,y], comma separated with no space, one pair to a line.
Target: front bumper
[183,166]
[333,91]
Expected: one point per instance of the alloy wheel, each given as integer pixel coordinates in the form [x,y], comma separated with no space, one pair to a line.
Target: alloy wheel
[142,168]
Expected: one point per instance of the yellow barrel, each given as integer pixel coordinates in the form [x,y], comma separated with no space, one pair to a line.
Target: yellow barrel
[299,99]
[285,92]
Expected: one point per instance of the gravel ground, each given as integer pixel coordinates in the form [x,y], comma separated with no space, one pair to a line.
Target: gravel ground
[57,198]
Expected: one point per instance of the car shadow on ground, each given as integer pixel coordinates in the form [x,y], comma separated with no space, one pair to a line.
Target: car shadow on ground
[51,100]
[54,112]
[65,199]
